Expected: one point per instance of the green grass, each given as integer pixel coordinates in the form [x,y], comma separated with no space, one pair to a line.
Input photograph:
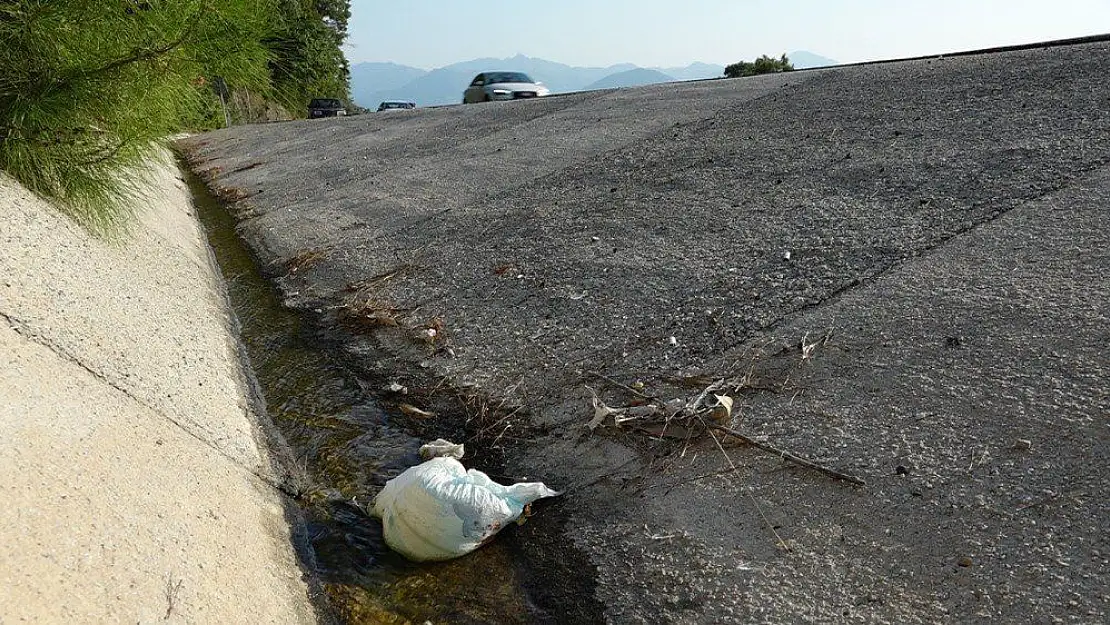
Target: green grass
[98,191]
[90,88]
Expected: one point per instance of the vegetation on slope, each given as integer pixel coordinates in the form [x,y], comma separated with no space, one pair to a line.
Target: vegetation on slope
[89,87]
[305,56]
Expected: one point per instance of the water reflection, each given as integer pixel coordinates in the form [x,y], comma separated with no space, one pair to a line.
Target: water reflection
[349,449]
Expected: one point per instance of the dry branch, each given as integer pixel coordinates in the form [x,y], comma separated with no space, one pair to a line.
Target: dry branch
[620,385]
[786,455]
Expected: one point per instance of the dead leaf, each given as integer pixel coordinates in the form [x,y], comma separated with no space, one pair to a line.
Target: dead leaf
[415,412]
[722,411]
[601,412]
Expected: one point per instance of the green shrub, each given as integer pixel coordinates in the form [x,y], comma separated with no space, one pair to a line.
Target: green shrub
[306,60]
[89,87]
[762,65]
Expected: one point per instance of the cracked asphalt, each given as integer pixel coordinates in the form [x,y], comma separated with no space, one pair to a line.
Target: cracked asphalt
[941,225]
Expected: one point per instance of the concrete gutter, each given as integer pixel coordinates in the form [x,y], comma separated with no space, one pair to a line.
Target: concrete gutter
[137,486]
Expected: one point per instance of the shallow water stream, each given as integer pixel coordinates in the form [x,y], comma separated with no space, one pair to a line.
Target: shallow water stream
[349,446]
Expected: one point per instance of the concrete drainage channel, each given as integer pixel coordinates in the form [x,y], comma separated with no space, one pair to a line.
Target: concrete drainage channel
[345,447]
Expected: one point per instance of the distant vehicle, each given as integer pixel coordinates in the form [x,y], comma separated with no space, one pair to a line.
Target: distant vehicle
[395,105]
[326,107]
[489,86]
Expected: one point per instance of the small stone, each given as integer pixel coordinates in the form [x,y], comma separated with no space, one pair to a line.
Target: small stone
[1023,444]
[901,470]
[964,562]
[672,341]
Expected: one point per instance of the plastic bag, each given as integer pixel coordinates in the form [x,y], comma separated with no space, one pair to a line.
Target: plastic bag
[438,510]
[440,448]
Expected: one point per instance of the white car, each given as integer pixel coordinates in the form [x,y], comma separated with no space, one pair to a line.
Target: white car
[489,86]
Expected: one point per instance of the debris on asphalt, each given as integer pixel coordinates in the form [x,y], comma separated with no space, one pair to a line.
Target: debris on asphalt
[442,448]
[687,419]
[438,510]
[432,332]
[413,411]
[396,387]
[370,313]
[721,412]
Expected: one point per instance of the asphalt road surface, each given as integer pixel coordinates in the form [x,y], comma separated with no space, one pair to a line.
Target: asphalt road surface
[934,232]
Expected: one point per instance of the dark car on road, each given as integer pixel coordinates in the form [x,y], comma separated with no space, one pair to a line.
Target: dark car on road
[326,107]
[396,105]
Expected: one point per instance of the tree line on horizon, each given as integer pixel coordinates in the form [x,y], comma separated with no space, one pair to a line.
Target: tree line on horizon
[89,88]
[763,65]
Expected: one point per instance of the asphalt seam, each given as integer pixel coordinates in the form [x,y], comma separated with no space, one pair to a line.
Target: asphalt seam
[414,253]
[716,114]
[24,330]
[609,95]
[918,255]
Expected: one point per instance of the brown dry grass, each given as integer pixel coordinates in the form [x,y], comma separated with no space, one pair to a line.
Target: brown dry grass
[371,313]
[304,259]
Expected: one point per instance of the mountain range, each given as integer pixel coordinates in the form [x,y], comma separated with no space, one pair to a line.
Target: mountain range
[372,83]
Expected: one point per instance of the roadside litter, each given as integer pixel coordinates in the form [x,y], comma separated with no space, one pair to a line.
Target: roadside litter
[442,448]
[676,418]
[438,510]
[687,419]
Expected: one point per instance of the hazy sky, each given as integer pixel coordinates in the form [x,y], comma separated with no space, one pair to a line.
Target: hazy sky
[433,33]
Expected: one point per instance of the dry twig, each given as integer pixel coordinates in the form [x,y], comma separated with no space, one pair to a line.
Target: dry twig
[621,385]
[173,589]
[751,495]
[786,455]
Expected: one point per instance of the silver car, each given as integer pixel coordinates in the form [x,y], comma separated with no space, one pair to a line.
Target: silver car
[489,86]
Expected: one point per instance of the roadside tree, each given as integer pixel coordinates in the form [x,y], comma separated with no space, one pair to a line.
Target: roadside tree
[762,65]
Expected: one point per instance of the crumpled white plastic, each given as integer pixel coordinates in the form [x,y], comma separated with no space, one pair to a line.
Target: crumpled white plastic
[438,510]
[441,448]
